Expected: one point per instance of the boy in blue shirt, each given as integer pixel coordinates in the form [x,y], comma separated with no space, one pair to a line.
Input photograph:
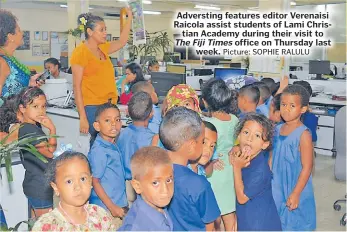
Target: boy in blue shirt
[137,134]
[146,86]
[152,179]
[264,100]
[107,163]
[247,100]
[193,206]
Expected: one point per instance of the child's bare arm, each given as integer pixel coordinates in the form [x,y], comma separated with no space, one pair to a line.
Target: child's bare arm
[115,210]
[283,84]
[306,161]
[210,226]
[44,149]
[209,168]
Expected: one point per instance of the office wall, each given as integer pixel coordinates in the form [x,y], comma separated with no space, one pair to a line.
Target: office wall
[39,20]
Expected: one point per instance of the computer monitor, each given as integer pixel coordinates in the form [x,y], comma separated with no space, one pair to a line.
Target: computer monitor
[64,62]
[145,59]
[114,61]
[319,67]
[163,81]
[235,65]
[176,68]
[233,77]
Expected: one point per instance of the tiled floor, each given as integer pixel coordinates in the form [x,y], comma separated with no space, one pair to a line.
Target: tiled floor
[327,190]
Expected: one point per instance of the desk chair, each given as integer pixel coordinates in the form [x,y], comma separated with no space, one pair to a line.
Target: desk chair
[340,162]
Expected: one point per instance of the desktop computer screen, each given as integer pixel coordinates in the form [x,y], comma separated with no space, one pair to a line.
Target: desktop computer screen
[233,77]
[64,61]
[163,82]
[176,69]
[319,67]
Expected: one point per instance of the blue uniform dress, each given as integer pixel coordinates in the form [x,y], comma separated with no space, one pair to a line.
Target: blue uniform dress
[286,168]
[16,81]
[311,122]
[154,123]
[259,213]
[107,165]
[130,140]
[193,204]
[263,109]
[142,217]
[201,169]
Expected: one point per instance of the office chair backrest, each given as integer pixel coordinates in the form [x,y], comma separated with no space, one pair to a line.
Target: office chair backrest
[340,144]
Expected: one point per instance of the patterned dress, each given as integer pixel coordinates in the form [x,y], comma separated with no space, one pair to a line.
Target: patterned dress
[98,220]
[16,81]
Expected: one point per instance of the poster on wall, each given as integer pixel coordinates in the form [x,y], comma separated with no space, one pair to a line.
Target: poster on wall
[36,50]
[59,44]
[26,41]
[37,35]
[45,49]
[139,32]
[109,37]
[45,36]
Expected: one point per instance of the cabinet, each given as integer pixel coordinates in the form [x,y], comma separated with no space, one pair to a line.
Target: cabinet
[325,135]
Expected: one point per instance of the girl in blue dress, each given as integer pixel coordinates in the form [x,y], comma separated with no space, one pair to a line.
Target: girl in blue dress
[255,208]
[292,161]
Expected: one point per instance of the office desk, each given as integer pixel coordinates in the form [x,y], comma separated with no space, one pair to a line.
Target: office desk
[326,101]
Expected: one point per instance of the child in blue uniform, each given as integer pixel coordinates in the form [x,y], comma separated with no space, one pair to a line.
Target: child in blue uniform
[265,98]
[107,163]
[136,135]
[146,86]
[248,99]
[152,179]
[292,161]
[274,112]
[193,206]
[255,209]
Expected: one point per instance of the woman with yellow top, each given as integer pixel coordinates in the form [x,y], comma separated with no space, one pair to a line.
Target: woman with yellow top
[93,74]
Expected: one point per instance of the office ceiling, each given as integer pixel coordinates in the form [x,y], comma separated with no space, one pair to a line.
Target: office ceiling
[164,6]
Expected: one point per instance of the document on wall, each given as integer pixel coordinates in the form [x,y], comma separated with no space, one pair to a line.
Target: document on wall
[139,32]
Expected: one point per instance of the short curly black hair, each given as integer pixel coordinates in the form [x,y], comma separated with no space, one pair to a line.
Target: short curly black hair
[300,91]
[219,97]
[8,113]
[263,121]
[8,24]
[51,170]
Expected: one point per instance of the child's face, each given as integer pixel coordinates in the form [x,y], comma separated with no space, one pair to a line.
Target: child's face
[154,68]
[251,138]
[109,124]
[274,115]
[196,146]
[73,182]
[35,110]
[209,146]
[156,186]
[189,103]
[291,108]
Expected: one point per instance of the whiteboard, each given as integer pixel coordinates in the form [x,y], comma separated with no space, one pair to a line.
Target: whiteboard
[59,43]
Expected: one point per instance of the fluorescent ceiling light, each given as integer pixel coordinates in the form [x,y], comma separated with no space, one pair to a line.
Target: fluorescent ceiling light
[206,7]
[65,6]
[293,3]
[151,12]
[144,1]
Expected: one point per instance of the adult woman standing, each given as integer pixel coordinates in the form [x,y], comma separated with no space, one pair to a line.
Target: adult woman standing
[92,70]
[14,76]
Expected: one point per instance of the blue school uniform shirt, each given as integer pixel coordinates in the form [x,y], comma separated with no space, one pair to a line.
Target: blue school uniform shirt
[310,120]
[259,213]
[107,165]
[263,109]
[286,168]
[143,217]
[201,169]
[193,204]
[154,123]
[130,140]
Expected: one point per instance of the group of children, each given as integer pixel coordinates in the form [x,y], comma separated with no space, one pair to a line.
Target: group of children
[247,165]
